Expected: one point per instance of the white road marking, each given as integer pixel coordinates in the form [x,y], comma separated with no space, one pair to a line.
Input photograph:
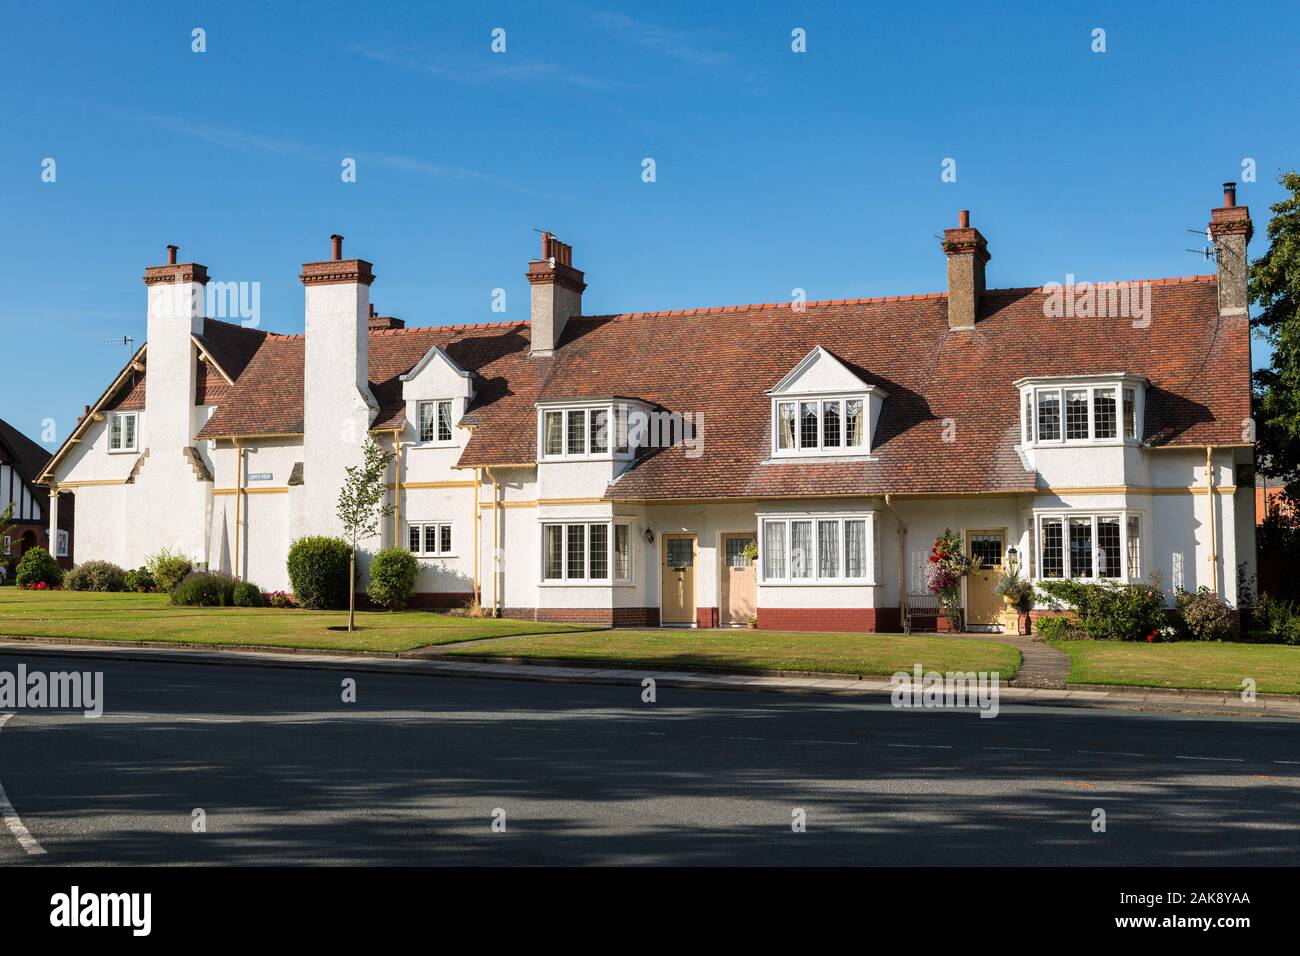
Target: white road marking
[1032,750]
[838,743]
[12,820]
[922,746]
[1294,762]
[1111,753]
[1219,759]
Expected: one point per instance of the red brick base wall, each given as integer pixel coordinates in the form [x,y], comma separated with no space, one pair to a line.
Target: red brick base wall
[864,619]
[429,600]
[706,617]
[609,617]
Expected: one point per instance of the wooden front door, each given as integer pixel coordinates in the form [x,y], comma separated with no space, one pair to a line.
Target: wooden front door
[983,604]
[739,579]
[677,603]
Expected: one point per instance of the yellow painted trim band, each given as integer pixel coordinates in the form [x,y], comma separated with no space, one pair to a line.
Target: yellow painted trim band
[251,491]
[407,485]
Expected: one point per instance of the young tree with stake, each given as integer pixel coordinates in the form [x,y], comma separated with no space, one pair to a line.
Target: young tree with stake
[361,508]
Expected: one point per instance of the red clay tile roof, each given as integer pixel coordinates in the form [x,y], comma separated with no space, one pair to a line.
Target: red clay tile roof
[722,361]
[232,346]
[130,396]
[267,398]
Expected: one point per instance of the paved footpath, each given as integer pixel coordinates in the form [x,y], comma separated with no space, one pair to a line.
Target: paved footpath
[1225,703]
[1043,665]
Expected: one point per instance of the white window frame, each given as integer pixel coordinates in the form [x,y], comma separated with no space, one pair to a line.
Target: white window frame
[439,525]
[821,450]
[1031,431]
[61,543]
[437,404]
[565,580]
[814,579]
[1064,516]
[124,448]
[616,417]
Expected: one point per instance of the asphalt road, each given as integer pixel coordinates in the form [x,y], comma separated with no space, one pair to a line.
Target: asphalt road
[412,772]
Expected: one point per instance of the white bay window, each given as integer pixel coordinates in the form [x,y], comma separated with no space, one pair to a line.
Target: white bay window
[1102,546]
[586,552]
[817,549]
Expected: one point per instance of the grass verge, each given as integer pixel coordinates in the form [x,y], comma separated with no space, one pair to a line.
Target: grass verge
[1193,665]
[149,617]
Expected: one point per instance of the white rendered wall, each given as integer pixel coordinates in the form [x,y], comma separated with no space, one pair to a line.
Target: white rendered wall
[336,396]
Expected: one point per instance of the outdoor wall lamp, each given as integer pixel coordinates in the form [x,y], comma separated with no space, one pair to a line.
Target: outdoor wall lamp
[649,536]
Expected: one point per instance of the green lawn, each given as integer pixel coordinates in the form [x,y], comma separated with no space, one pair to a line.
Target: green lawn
[1189,664]
[763,650]
[148,617]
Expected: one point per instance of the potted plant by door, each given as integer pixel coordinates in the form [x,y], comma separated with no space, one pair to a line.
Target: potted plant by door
[1017,594]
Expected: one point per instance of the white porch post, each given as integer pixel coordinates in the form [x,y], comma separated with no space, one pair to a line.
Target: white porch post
[54,520]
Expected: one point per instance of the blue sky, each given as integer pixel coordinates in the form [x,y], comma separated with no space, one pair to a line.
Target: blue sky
[774,170]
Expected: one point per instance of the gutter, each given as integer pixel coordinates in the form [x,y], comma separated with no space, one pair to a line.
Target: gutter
[1209,492]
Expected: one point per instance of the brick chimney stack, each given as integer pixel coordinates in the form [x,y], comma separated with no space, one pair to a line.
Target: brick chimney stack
[967,253]
[1230,230]
[557,290]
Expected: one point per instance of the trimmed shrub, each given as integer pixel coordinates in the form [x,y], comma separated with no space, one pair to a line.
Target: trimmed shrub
[1058,629]
[140,580]
[38,567]
[1110,611]
[318,570]
[167,569]
[392,578]
[1205,616]
[95,576]
[247,594]
[204,589]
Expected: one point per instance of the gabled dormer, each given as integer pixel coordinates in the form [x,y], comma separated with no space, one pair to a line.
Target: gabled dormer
[437,392]
[823,408]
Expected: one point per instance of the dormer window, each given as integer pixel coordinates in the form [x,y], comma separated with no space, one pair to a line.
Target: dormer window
[823,424]
[1078,410]
[585,431]
[435,421]
[823,408]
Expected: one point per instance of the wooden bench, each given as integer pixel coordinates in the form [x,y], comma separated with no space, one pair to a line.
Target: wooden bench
[924,606]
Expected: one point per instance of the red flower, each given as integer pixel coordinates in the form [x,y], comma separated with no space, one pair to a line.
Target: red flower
[1151,636]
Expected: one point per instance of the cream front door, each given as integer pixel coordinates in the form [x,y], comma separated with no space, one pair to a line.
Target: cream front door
[739,579]
[983,604]
[677,603]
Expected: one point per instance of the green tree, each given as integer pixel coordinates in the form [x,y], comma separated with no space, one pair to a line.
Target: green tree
[361,508]
[1274,287]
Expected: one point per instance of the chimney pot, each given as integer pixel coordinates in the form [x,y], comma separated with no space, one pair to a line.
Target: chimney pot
[171,254]
[337,241]
[963,219]
[1229,194]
